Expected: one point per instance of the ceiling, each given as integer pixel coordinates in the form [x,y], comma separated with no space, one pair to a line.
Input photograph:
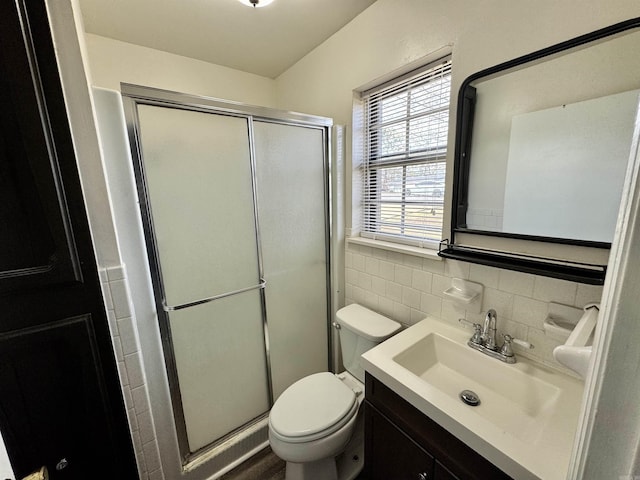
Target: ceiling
[265,41]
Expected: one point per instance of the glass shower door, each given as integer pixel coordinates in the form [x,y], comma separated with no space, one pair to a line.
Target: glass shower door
[197,171]
[291,185]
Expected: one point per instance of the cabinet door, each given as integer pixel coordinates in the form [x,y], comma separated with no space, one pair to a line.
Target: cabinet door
[390,454]
[441,473]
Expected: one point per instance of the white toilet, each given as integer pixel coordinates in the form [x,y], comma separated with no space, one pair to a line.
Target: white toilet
[314,425]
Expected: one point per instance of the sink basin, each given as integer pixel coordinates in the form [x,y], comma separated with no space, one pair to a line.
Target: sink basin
[510,398]
[528,413]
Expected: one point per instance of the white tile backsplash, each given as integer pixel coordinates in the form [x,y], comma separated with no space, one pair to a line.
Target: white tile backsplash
[413,289]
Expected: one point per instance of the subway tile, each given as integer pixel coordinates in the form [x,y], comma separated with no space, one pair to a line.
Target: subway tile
[151,456]
[120,298]
[529,311]
[588,294]
[421,280]
[134,370]
[358,262]
[394,291]
[487,276]
[156,475]
[370,300]
[543,345]
[411,297]
[403,275]
[412,261]
[142,466]
[117,348]
[137,444]
[145,422]
[133,421]
[358,295]
[128,398]
[386,270]
[127,335]
[348,259]
[351,276]
[456,269]
[417,316]
[439,284]
[513,328]
[364,281]
[366,250]
[380,254]
[113,323]
[385,307]
[451,313]
[348,292]
[395,257]
[106,294]
[555,290]
[378,285]
[431,304]
[122,373]
[433,266]
[516,282]
[501,302]
[116,273]
[372,266]
[140,399]
[102,275]
[401,313]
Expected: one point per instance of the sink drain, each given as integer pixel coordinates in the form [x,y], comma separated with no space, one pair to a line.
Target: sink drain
[470,398]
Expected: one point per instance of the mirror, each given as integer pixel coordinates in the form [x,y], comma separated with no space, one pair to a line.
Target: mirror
[543,142]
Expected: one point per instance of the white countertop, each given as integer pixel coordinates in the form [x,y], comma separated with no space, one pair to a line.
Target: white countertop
[543,455]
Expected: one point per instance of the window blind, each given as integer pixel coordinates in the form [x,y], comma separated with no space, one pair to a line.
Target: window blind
[406,125]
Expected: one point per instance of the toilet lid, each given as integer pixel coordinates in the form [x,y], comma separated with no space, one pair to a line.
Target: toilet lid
[312,405]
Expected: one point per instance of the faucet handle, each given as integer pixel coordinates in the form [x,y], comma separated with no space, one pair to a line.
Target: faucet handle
[477,335]
[506,349]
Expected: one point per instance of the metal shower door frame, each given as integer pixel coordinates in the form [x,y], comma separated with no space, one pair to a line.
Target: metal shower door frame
[132,97]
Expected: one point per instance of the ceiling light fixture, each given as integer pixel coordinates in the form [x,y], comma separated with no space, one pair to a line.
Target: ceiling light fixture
[256,3]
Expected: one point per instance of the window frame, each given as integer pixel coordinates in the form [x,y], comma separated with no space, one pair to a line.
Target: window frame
[430,157]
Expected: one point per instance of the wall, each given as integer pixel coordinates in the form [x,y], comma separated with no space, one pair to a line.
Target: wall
[408,288]
[480,35]
[112,62]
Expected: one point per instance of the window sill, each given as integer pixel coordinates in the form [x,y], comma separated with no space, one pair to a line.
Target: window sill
[395,247]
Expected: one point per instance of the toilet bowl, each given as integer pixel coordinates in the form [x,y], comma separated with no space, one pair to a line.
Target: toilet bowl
[314,420]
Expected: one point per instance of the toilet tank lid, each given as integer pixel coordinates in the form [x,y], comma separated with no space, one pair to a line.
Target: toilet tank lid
[367,323]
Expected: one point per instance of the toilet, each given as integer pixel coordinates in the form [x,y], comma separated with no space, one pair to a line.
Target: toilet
[316,425]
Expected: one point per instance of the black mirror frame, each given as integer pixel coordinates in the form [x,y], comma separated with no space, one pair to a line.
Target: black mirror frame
[584,273]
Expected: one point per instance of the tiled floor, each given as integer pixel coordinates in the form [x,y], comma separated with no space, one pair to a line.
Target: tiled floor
[262,466]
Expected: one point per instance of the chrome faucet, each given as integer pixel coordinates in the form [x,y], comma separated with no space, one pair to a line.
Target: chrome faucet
[484,339]
[489,330]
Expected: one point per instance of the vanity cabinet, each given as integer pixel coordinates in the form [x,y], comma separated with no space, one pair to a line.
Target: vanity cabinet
[404,444]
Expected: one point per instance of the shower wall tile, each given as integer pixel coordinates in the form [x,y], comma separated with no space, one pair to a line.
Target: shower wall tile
[408,288]
[126,346]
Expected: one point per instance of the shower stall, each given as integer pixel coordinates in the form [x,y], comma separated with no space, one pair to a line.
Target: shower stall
[234,202]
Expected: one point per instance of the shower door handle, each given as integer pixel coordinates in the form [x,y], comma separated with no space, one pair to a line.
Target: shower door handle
[172,308]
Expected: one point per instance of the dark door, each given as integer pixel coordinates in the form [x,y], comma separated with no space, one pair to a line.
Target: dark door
[60,399]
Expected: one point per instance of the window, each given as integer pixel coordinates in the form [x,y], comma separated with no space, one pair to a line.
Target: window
[406,131]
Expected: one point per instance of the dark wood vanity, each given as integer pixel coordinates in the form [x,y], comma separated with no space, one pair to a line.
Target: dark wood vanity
[401,443]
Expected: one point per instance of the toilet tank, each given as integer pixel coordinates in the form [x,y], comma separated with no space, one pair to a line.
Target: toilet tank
[360,330]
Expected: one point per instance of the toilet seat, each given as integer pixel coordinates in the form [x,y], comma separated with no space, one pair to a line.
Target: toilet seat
[312,408]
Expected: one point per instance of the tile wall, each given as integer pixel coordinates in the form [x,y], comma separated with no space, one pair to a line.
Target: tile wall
[132,378]
[408,288]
